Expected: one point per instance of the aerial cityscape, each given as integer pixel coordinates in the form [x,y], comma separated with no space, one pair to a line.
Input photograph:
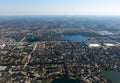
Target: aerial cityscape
[59,41]
[41,49]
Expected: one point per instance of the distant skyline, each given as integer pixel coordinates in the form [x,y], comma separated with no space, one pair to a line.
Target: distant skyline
[59,7]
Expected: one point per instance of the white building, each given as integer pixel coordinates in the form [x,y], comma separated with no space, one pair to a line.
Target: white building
[2,45]
[94,45]
[109,44]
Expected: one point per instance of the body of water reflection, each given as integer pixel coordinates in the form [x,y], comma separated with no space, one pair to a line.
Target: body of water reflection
[74,37]
[65,80]
[113,76]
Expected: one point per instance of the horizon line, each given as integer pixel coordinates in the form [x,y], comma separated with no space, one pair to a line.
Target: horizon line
[58,15]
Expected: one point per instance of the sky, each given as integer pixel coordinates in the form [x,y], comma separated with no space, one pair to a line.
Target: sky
[59,7]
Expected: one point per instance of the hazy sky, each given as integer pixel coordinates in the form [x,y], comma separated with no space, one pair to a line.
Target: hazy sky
[59,7]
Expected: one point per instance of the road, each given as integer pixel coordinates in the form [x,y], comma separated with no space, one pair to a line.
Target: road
[29,56]
[19,43]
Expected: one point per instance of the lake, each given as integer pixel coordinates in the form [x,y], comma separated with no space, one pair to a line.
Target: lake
[113,76]
[74,37]
[32,39]
[64,80]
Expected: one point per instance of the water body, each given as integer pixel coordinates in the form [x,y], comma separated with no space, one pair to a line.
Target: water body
[64,80]
[32,39]
[113,76]
[74,37]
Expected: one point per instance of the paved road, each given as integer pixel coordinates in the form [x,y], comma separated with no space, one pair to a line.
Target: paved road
[19,43]
[29,56]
